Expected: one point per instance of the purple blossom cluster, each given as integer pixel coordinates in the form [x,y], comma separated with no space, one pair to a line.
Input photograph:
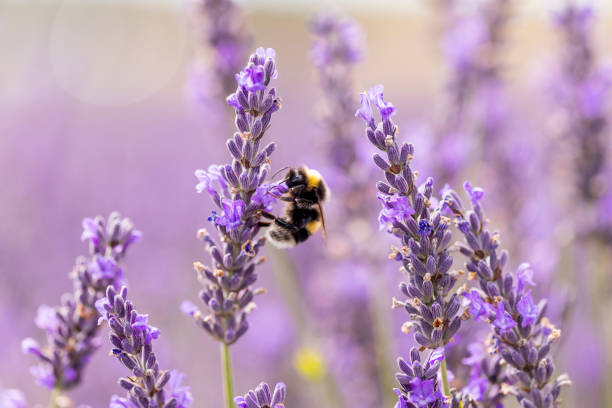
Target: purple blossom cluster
[521,337]
[411,214]
[241,193]
[132,339]
[521,334]
[72,328]
[418,381]
[221,30]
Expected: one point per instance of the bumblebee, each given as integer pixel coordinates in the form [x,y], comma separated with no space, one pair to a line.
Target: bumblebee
[303,211]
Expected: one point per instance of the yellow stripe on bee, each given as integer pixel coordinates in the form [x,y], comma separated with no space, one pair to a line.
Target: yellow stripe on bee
[313,178]
[313,226]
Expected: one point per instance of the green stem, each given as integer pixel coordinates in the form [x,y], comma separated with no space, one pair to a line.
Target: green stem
[445,384]
[226,369]
[55,394]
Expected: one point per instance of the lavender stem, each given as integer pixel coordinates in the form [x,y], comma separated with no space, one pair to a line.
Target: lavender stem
[444,373]
[226,369]
[55,394]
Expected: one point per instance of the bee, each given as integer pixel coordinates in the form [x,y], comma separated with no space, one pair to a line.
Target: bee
[303,211]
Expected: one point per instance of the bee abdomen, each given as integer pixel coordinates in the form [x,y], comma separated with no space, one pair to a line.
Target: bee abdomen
[281,237]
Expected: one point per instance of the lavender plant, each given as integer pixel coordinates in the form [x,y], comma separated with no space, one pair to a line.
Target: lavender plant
[336,49]
[521,334]
[581,94]
[240,191]
[221,28]
[132,339]
[261,397]
[521,338]
[359,341]
[409,213]
[71,328]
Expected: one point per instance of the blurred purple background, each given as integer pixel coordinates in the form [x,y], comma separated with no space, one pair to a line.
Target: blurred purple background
[95,116]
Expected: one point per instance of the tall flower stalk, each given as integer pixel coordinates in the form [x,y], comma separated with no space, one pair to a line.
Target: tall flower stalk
[521,334]
[581,95]
[221,32]
[240,191]
[72,328]
[337,47]
[409,212]
[132,339]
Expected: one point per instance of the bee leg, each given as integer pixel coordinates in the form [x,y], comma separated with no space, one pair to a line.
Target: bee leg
[285,224]
[262,224]
[268,215]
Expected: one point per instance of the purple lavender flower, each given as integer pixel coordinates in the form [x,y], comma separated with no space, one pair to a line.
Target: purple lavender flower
[487,376]
[418,381]
[521,335]
[581,94]
[261,397]
[220,26]
[72,327]
[336,49]
[12,399]
[132,339]
[424,236]
[241,193]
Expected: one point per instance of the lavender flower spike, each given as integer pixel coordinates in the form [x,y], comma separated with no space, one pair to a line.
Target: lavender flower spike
[72,327]
[261,397]
[12,399]
[222,31]
[336,49]
[241,193]
[410,214]
[521,334]
[132,338]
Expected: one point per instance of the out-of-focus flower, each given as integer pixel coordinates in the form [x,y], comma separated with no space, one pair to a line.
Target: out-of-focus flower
[309,364]
[220,27]
[12,399]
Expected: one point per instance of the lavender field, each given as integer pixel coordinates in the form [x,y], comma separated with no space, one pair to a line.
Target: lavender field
[267,205]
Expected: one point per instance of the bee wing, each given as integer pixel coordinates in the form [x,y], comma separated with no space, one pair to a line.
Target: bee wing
[323,230]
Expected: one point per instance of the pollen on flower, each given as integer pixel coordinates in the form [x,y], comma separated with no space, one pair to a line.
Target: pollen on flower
[407,327]
[506,389]
[415,302]
[250,307]
[437,323]
[427,277]
[259,291]
[388,140]
[202,233]
[199,266]
[472,275]
[396,303]
[261,260]
[218,273]
[554,335]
